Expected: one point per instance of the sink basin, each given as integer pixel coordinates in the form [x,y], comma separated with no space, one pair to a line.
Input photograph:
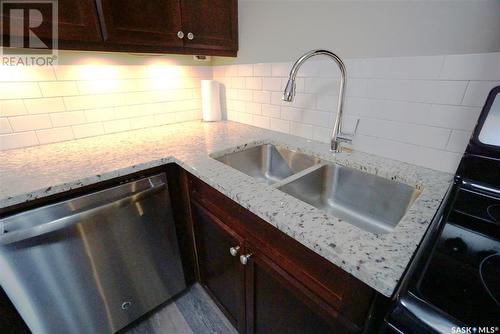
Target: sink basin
[367,201]
[269,163]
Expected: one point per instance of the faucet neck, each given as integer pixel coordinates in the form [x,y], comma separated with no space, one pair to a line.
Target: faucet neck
[337,125]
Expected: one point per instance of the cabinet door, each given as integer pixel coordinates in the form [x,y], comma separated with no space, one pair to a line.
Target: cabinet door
[213,23]
[77,21]
[277,303]
[221,273]
[137,22]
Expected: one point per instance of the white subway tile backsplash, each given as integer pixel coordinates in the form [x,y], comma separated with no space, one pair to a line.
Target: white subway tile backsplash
[253,108]
[26,73]
[322,134]
[5,126]
[327,102]
[322,85]
[458,141]
[67,118]
[12,108]
[477,91]
[426,67]
[58,88]
[260,70]
[73,101]
[415,109]
[45,105]
[96,115]
[302,100]
[409,108]
[271,84]
[261,121]
[142,122]
[232,71]
[280,125]
[245,70]
[30,122]
[88,87]
[54,135]
[116,126]
[165,118]
[16,140]
[253,83]
[246,118]
[453,117]
[405,132]
[262,96]
[128,111]
[472,67]
[302,130]
[90,102]
[19,90]
[281,69]
[443,92]
[244,95]
[237,82]
[88,130]
[271,111]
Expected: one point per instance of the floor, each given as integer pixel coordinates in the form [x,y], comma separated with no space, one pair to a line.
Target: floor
[193,312]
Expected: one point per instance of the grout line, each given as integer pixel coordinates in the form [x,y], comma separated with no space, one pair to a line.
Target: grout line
[465,93]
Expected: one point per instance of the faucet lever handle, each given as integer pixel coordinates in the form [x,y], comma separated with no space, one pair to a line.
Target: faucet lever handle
[347,137]
[356,126]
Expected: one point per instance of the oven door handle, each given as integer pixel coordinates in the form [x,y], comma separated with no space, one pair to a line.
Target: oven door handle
[58,224]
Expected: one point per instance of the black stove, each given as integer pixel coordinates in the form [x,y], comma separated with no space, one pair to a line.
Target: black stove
[453,283]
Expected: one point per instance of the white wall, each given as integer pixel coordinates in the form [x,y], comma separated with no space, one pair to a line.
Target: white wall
[281,30]
[420,110]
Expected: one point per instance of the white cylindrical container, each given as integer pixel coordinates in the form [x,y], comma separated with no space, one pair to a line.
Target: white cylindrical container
[210,99]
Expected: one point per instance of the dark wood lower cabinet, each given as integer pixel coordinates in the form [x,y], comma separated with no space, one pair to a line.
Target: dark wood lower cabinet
[284,287]
[221,273]
[276,302]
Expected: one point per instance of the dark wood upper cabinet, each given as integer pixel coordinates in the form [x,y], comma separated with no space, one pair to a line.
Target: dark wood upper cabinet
[212,23]
[137,22]
[202,27]
[78,21]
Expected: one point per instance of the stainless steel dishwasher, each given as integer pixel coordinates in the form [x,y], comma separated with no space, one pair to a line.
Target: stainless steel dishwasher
[95,263]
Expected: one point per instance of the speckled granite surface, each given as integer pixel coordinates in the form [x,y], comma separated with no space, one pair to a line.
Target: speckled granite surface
[378,260]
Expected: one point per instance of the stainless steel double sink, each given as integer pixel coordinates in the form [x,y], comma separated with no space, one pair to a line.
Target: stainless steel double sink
[370,202]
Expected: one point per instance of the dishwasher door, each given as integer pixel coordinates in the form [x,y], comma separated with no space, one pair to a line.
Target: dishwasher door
[94,263]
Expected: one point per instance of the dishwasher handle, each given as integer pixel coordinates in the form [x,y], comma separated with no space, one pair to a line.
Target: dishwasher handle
[58,224]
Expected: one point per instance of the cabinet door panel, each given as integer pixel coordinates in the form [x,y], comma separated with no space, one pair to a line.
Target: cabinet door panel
[214,24]
[221,273]
[77,21]
[137,22]
[277,303]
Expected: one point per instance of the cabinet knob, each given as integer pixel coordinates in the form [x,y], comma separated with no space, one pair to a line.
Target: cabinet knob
[180,34]
[190,36]
[244,259]
[234,250]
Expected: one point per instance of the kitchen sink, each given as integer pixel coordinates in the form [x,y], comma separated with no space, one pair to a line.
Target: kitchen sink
[370,202]
[269,163]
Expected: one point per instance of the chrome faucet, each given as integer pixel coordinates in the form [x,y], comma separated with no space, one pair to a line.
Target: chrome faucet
[289,93]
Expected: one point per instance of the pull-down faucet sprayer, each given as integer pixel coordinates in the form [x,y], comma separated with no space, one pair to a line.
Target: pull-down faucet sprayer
[289,93]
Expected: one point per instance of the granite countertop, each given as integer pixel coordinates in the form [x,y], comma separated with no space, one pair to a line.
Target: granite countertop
[379,260]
